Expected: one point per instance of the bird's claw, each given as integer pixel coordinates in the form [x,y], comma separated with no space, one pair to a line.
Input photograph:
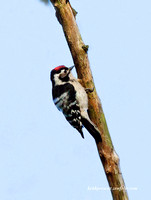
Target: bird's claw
[89,90]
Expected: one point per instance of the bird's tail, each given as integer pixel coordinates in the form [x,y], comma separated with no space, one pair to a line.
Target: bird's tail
[81,132]
[88,124]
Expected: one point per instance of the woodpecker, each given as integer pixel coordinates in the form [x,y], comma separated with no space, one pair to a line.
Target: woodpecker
[71,99]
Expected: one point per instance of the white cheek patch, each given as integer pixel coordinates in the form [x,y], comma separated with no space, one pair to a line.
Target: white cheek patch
[57,79]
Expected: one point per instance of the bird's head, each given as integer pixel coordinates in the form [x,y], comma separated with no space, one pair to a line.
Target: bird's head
[61,74]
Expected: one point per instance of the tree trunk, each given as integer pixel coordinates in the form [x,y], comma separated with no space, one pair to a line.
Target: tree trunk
[66,17]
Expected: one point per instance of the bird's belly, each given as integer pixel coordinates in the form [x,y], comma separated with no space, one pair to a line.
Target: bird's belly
[81,96]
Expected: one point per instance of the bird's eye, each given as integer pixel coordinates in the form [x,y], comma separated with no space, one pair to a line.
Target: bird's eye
[63,74]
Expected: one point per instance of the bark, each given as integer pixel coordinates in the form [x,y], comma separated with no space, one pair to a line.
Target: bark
[110,160]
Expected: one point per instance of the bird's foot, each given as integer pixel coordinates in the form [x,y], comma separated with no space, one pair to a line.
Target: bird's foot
[89,90]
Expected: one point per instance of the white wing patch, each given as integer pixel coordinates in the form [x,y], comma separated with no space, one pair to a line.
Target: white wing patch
[59,102]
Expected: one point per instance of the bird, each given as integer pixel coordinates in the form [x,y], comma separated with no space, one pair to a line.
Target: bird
[70,97]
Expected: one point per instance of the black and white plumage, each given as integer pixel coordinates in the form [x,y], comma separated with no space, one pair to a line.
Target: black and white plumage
[70,97]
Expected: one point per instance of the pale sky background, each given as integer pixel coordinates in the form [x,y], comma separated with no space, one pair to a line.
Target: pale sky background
[41,155]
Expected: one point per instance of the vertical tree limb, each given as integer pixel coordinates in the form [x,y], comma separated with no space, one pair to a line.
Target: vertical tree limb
[66,17]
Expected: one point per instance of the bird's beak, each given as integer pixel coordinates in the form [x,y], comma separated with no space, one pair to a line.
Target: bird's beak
[70,68]
[63,75]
